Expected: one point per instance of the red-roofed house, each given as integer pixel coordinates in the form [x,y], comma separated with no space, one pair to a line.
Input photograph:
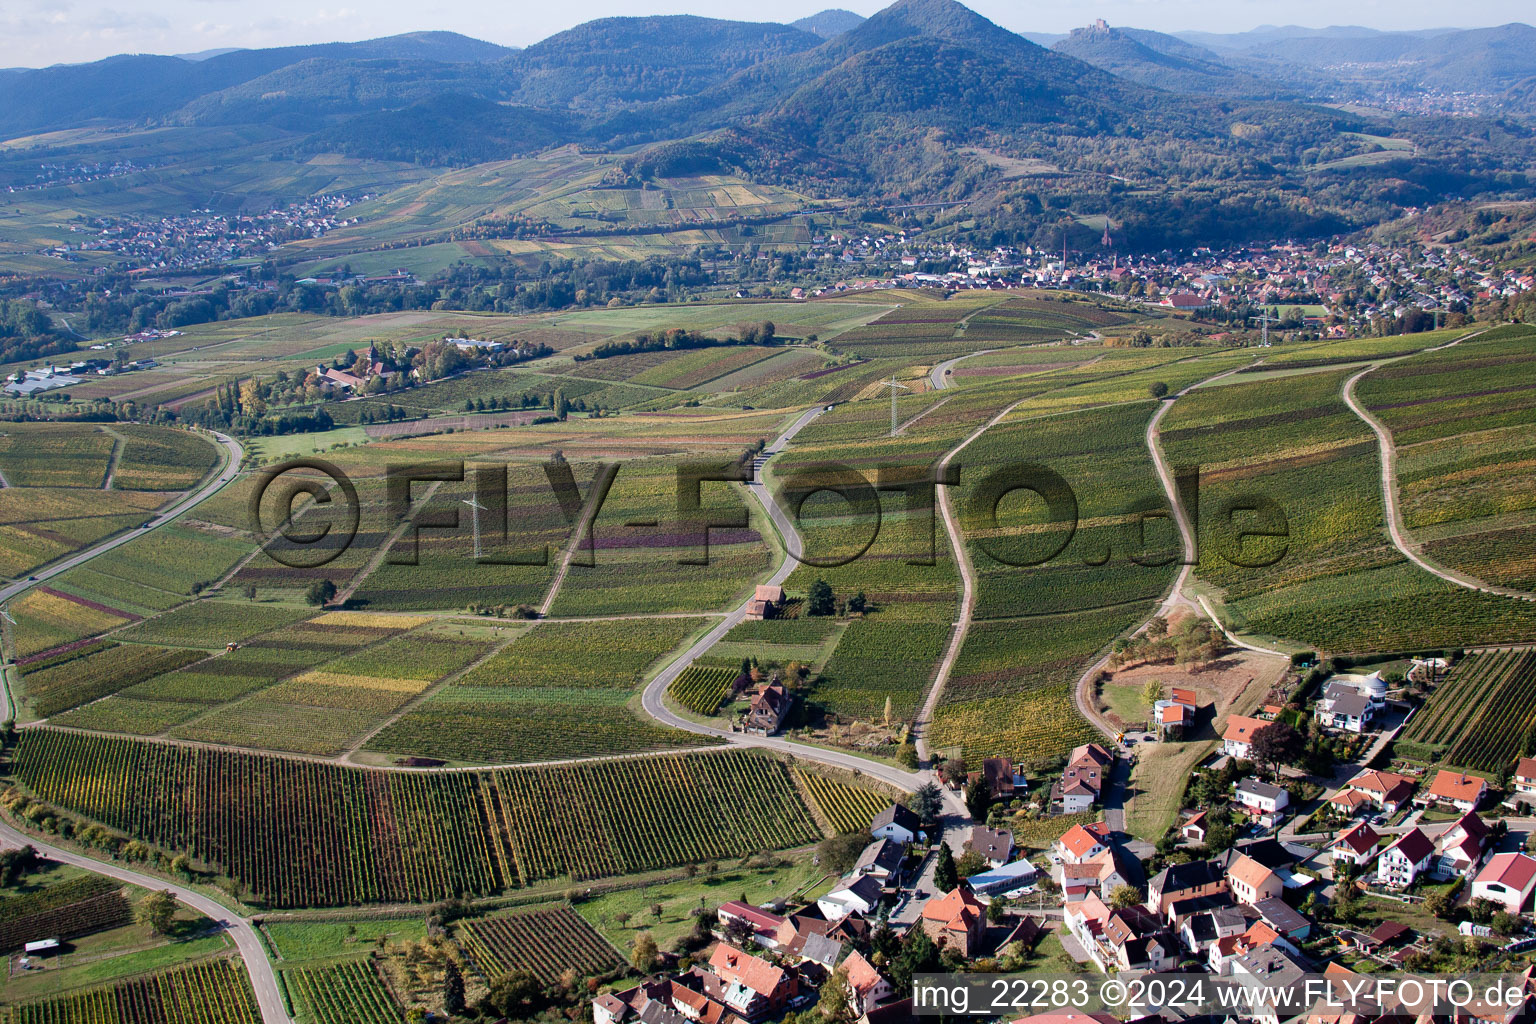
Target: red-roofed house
[1463,792]
[956,920]
[1386,790]
[1459,849]
[1508,880]
[1195,828]
[1252,882]
[1525,778]
[867,987]
[1237,739]
[736,916]
[1356,845]
[749,985]
[1077,844]
[1405,860]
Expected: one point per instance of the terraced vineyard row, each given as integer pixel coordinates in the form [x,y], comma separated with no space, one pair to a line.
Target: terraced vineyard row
[301,833]
[348,992]
[546,942]
[206,992]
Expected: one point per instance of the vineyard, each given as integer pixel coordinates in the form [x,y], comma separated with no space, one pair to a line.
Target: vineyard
[207,992]
[546,941]
[702,688]
[846,808]
[78,906]
[161,459]
[105,669]
[1483,717]
[344,992]
[301,833]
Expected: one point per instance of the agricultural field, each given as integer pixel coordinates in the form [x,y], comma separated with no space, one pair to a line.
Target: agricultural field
[64,910]
[210,991]
[92,672]
[877,662]
[213,624]
[847,809]
[160,458]
[41,524]
[1482,717]
[547,941]
[159,570]
[303,833]
[1335,581]
[55,454]
[1462,421]
[47,619]
[703,688]
[340,992]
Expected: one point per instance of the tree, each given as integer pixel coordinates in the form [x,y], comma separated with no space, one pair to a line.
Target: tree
[857,603]
[978,798]
[1124,897]
[1152,692]
[453,989]
[970,863]
[643,953]
[1158,389]
[953,770]
[320,592]
[518,995]
[906,755]
[158,910]
[1276,744]
[250,591]
[562,405]
[820,600]
[834,1004]
[1503,923]
[841,852]
[945,875]
[927,803]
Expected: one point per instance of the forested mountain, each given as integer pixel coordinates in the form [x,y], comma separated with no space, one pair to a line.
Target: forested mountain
[618,61]
[1163,61]
[139,87]
[829,23]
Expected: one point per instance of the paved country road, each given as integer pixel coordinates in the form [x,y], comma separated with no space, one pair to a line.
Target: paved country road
[263,977]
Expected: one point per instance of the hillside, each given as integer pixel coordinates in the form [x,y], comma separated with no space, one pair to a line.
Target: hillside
[1161,61]
[829,23]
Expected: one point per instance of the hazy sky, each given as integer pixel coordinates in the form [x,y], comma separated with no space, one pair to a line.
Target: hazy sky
[35,33]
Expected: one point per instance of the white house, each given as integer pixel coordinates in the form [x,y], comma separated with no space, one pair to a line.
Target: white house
[1237,739]
[1507,880]
[1262,801]
[896,823]
[1461,791]
[867,987]
[1459,849]
[1355,846]
[1405,860]
[857,896]
[1078,844]
[1525,778]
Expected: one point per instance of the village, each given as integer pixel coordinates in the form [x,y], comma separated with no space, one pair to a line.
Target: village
[1270,871]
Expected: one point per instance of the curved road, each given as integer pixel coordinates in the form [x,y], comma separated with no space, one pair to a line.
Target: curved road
[651,699]
[1389,493]
[263,977]
[939,375]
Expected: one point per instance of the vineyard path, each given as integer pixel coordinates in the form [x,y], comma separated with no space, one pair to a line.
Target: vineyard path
[231,469]
[655,706]
[1389,490]
[263,977]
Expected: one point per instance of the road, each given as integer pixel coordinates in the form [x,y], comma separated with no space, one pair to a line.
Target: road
[967,582]
[651,699]
[939,376]
[263,977]
[1389,494]
[231,469]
